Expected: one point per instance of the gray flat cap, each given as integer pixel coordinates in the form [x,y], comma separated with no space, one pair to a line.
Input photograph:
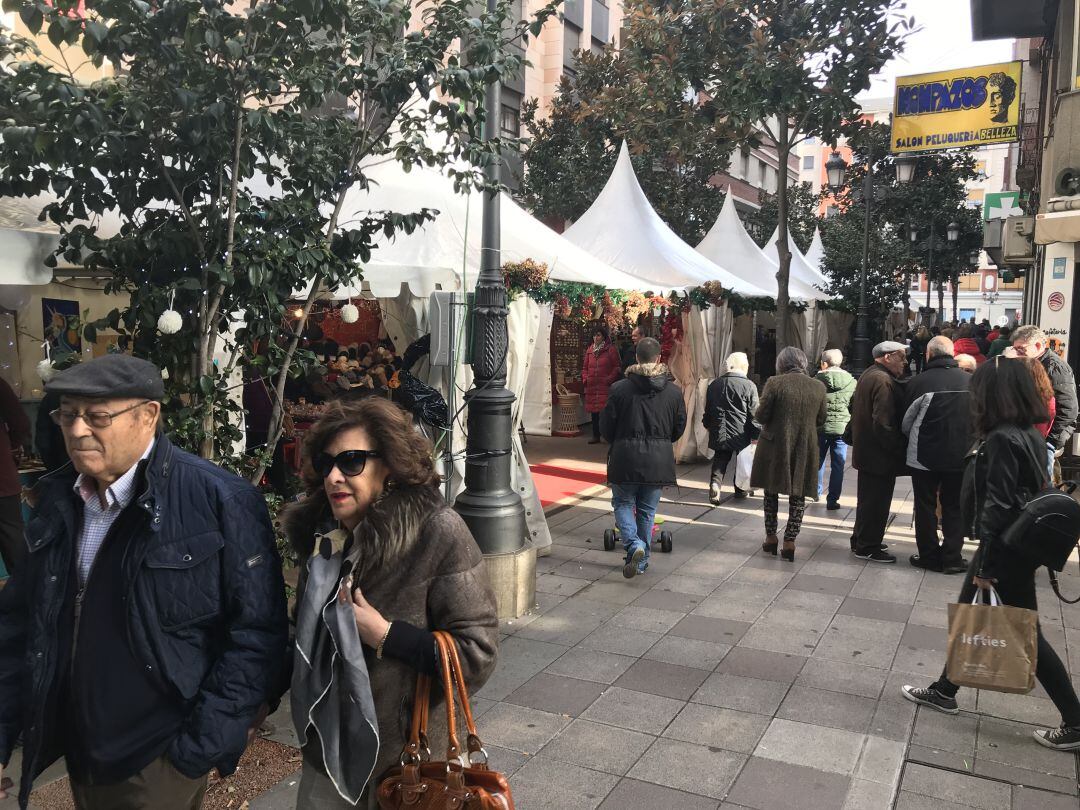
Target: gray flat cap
[888,347]
[114,376]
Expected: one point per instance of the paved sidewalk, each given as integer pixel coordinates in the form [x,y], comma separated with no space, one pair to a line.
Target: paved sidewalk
[726,679]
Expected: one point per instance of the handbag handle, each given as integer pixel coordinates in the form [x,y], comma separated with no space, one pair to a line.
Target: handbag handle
[992,597]
[411,753]
[473,742]
[453,747]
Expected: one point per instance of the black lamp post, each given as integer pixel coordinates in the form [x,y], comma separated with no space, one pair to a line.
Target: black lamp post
[836,168]
[489,505]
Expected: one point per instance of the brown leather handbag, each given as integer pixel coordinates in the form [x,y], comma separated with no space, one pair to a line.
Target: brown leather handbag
[463,780]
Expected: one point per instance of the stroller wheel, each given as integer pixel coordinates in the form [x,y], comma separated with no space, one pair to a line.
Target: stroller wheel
[665,542]
[609,539]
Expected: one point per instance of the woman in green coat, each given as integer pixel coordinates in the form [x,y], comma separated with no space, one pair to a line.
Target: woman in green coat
[791,412]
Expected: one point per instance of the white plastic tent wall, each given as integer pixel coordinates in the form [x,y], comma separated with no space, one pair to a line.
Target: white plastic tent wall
[622,229]
[800,270]
[728,242]
[815,254]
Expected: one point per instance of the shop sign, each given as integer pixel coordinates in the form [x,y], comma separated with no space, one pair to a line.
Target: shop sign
[1056,301]
[953,108]
[1059,267]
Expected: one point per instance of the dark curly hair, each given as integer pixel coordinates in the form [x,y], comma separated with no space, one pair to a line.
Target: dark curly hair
[406,452]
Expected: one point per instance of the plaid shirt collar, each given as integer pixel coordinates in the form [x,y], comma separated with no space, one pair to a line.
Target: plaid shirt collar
[119,494]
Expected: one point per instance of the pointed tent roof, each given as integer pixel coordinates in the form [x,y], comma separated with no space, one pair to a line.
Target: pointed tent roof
[622,229]
[815,254]
[728,241]
[800,268]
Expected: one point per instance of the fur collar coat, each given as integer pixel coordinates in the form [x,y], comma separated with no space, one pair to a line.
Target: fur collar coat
[415,561]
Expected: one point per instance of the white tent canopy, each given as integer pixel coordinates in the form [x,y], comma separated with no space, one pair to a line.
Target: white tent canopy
[728,242]
[801,270]
[622,229]
[815,254]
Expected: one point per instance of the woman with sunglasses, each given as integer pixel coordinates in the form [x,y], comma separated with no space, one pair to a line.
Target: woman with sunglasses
[383,563]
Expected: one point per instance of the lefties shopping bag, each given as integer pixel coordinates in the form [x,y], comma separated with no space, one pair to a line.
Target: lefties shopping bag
[744,463]
[992,646]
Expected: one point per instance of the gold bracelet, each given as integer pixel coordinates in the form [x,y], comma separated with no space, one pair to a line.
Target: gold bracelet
[382,641]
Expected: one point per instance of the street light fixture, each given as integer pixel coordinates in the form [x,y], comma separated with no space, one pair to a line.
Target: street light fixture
[835,168]
[905,168]
[953,231]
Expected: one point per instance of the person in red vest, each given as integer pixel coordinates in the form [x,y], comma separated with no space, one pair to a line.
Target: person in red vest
[600,368]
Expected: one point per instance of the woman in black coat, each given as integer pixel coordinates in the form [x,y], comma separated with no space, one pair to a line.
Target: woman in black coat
[1006,470]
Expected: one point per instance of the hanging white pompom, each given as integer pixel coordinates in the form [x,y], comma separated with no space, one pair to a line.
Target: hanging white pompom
[164,374]
[170,322]
[45,370]
[350,314]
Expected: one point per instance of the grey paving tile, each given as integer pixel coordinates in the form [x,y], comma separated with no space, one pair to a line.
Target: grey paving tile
[659,678]
[960,789]
[586,570]
[616,593]
[719,607]
[936,616]
[631,794]
[875,609]
[1023,776]
[504,760]
[634,617]
[892,583]
[750,593]
[519,660]
[1028,798]
[1023,708]
[948,733]
[559,628]
[837,676]
[638,711]
[924,638]
[543,783]
[691,585]
[916,801]
[775,578]
[1011,744]
[831,709]
[559,585]
[824,749]
[703,628]
[619,640]
[768,666]
[838,570]
[591,665]
[779,638]
[919,663]
[666,600]
[556,694]
[599,747]
[742,694]
[718,728]
[712,565]
[690,768]
[860,641]
[810,601]
[936,758]
[866,795]
[829,585]
[893,720]
[520,728]
[688,652]
[881,761]
[765,784]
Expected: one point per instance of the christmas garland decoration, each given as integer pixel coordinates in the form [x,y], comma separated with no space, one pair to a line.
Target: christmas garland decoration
[618,308]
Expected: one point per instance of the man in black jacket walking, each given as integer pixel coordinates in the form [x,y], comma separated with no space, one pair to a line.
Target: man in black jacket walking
[1030,341]
[937,422]
[730,402]
[146,631]
[644,416]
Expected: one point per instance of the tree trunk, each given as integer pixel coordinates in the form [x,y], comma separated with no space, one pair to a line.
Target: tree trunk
[941,296]
[783,273]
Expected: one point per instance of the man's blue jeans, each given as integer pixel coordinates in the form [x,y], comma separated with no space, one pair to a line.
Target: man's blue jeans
[635,509]
[837,450]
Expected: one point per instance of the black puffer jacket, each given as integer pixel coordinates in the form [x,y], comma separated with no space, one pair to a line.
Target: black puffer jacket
[644,416]
[730,402]
[937,417]
[1006,470]
[205,613]
[1064,383]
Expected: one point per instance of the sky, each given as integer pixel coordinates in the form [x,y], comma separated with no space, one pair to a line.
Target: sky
[942,41]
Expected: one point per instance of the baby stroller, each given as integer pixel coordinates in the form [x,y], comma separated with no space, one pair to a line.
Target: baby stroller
[611,537]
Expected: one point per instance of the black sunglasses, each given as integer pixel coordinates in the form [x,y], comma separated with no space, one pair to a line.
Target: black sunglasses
[350,462]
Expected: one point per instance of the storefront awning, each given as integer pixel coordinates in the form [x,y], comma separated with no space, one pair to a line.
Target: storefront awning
[1059,226]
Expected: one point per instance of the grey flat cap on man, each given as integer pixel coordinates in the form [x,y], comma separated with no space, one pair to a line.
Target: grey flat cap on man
[114,376]
[888,347]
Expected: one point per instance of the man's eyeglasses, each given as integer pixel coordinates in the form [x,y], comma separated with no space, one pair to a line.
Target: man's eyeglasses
[350,462]
[95,419]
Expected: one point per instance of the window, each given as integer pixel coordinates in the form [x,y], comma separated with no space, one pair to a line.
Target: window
[808,161]
[571,43]
[763,173]
[744,164]
[510,122]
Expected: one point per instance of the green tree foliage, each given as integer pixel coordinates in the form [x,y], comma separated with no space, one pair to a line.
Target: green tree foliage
[640,95]
[935,195]
[802,205]
[793,68]
[231,145]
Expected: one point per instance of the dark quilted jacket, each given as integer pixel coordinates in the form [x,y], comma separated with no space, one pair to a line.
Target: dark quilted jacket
[206,612]
[730,402]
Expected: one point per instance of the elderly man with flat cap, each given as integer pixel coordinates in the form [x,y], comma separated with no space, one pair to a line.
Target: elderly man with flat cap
[879,448]
[144,634]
